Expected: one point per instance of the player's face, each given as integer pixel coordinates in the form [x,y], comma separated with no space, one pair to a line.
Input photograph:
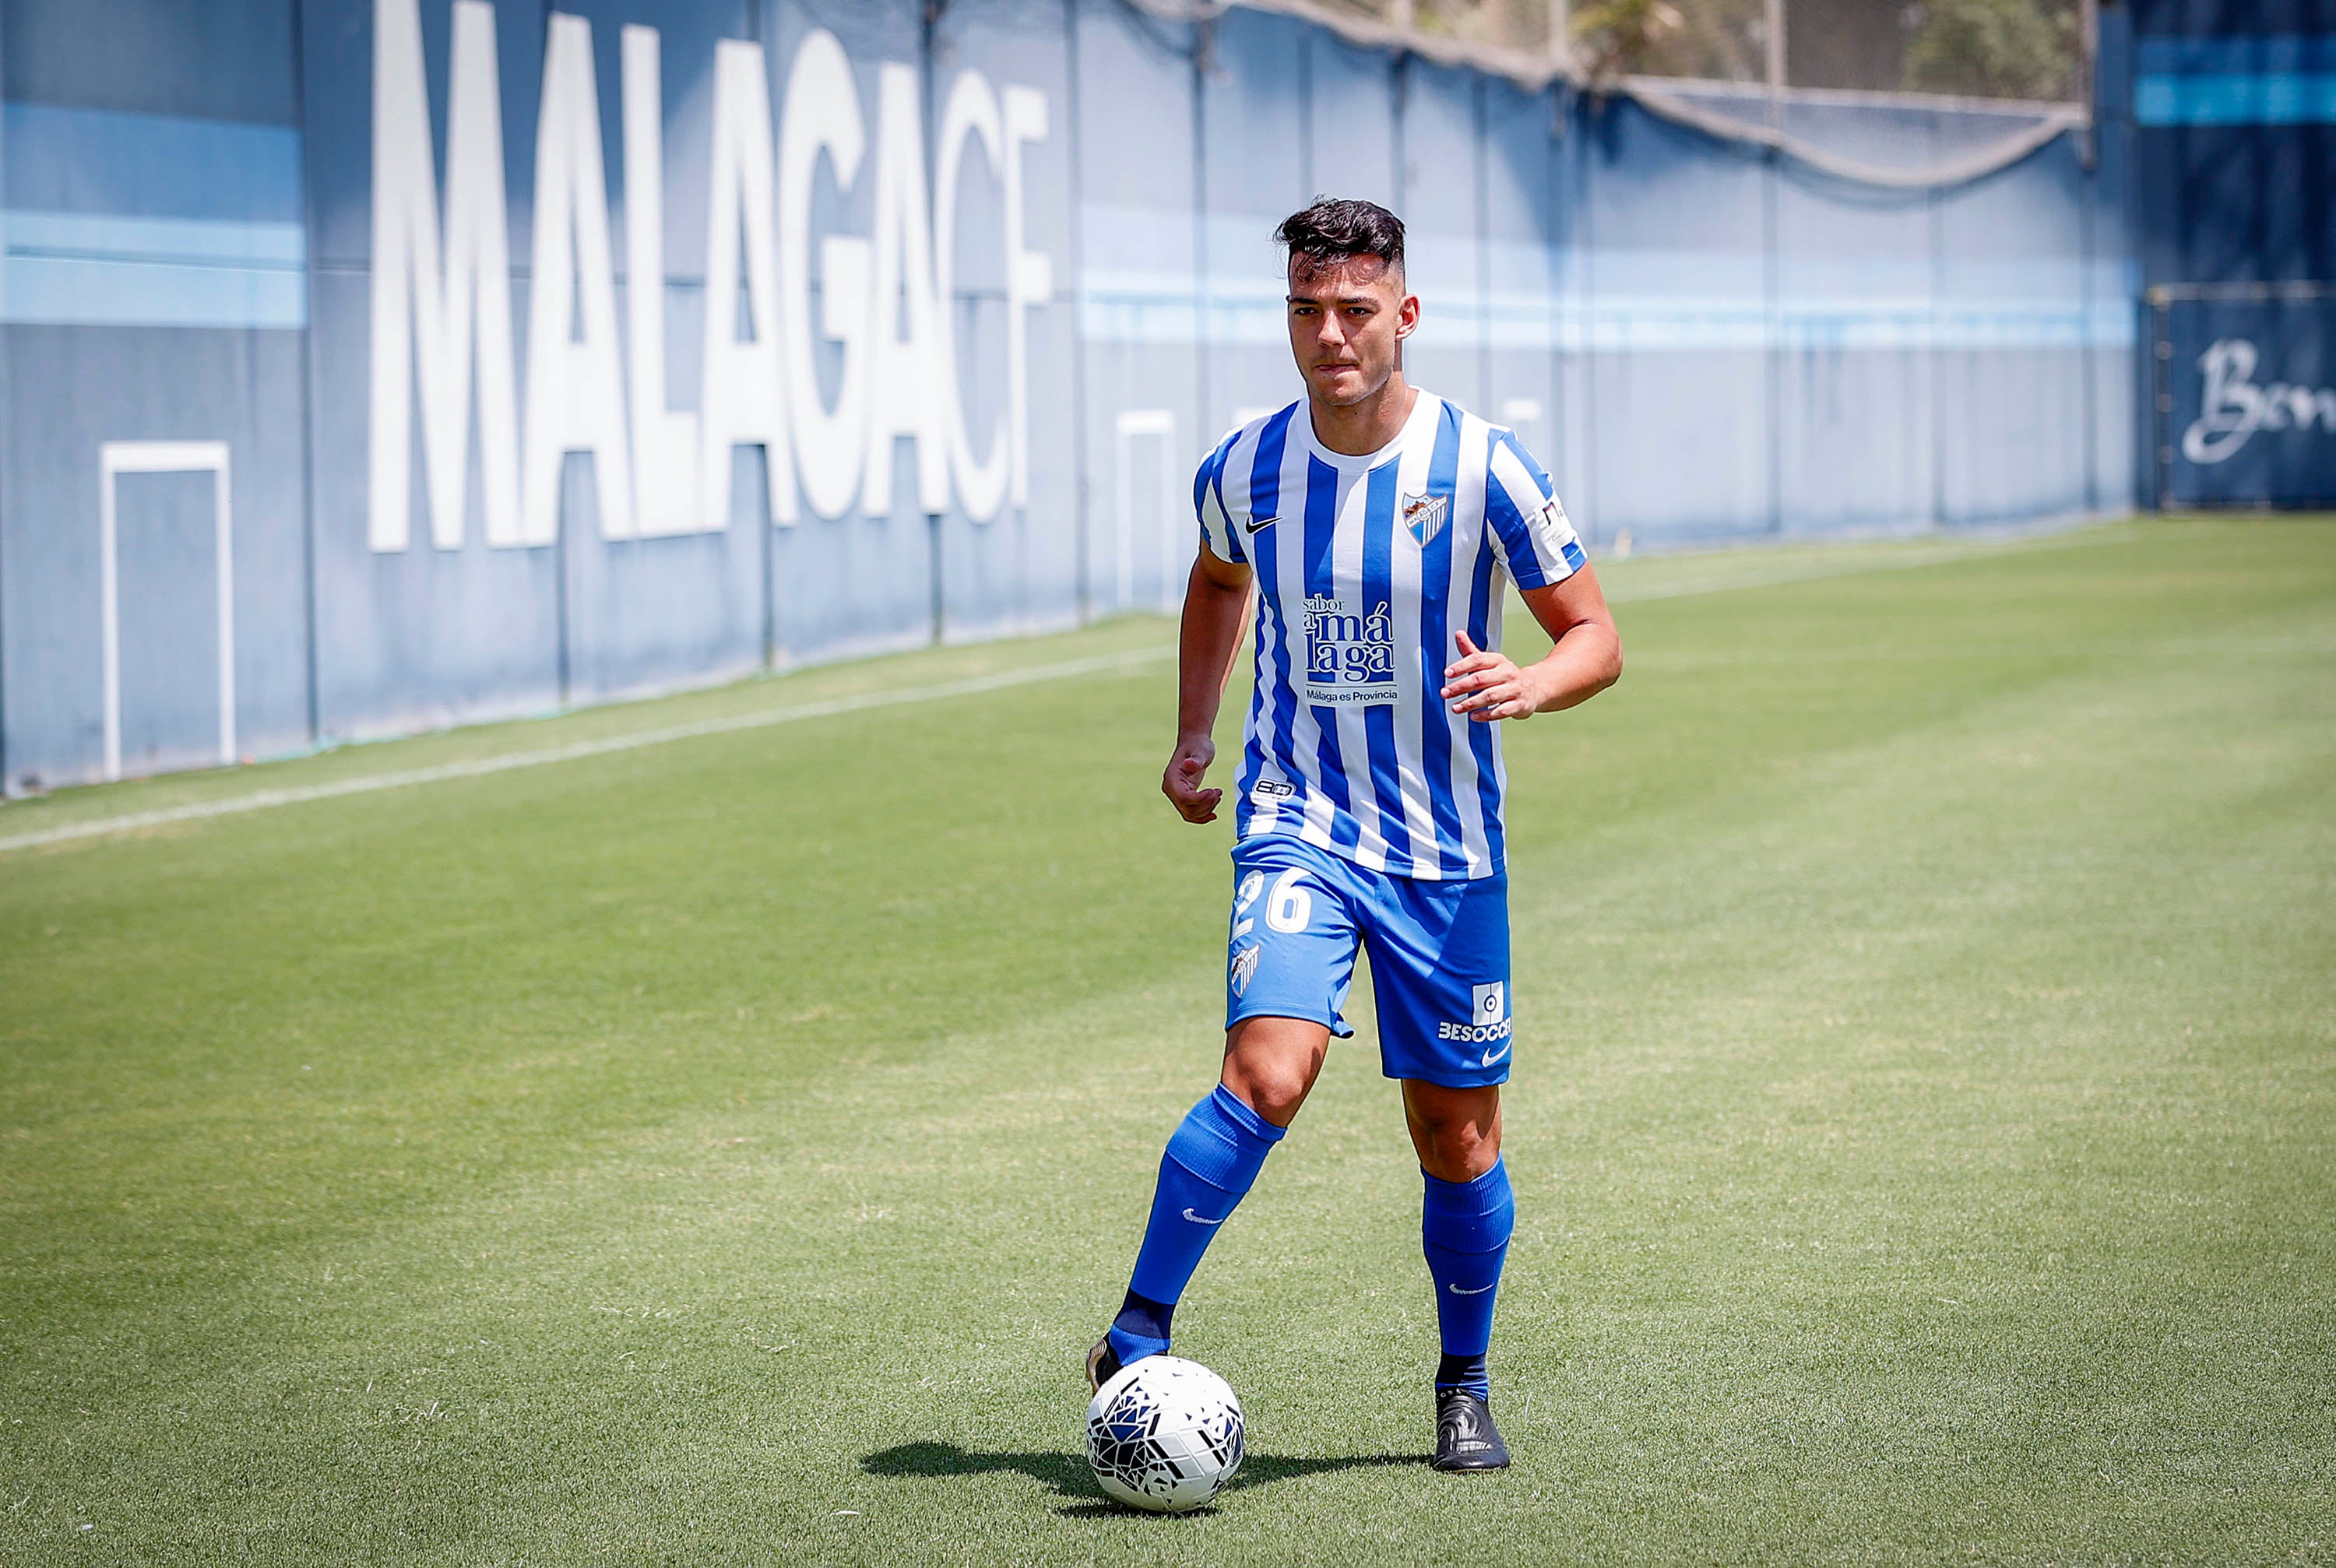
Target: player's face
[1348,321]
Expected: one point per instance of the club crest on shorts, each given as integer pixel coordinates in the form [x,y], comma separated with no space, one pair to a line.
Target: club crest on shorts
[1425,515]
[1245,967]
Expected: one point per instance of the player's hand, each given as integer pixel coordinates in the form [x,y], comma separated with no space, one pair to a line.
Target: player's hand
[1182,783]
[1488,685]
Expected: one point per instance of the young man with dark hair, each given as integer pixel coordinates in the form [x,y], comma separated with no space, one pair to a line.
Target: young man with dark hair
[1377,523]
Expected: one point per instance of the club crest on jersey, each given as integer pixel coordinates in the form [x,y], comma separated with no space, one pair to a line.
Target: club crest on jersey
[1349,653]
[1425,515]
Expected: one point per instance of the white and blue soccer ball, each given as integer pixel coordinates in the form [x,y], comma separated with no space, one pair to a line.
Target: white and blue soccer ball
[1164,1435]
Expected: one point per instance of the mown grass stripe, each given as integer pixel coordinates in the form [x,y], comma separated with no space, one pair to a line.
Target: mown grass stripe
[265,799]
[474,767]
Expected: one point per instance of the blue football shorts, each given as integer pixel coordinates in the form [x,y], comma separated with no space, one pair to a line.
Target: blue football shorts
[1439,955]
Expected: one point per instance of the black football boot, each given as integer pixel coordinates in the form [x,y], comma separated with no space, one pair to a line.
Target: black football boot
[1102,1363]
[1465,1437]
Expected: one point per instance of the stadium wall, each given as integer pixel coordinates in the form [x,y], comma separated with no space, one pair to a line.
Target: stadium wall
[332,402]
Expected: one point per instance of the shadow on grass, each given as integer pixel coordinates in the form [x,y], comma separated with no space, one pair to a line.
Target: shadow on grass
[1068,1476]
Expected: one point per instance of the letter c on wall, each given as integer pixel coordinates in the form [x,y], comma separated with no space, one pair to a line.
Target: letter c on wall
[972,110]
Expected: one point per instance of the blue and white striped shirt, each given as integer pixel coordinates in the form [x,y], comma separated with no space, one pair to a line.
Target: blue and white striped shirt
[1367,569]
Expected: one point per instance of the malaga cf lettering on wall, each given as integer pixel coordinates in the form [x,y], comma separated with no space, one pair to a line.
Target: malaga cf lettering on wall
[441,315]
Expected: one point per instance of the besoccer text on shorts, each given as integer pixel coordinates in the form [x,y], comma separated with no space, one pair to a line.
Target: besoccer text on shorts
[1379,527]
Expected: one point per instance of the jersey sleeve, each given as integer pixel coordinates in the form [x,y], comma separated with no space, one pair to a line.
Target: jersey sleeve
[1218,534]
[1530,532]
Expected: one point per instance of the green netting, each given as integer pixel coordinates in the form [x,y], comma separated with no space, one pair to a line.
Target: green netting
[2021,49]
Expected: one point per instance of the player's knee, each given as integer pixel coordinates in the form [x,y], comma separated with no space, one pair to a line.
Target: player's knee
[1456,1148]
[1271,1063]
[1270,1089]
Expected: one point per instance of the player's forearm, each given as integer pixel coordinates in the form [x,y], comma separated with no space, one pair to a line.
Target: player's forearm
[1585,662]
[1210,637]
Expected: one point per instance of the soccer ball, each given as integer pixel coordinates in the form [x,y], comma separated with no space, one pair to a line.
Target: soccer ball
[1164,1435]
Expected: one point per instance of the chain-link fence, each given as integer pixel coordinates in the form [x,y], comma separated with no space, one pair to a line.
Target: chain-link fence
[1710,40]
[1746,70]
[2030,50]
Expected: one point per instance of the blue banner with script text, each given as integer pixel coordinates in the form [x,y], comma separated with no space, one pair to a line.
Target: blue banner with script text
[2253,389]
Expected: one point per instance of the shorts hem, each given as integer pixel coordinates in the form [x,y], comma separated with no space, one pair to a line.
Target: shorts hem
[1479,1078]
[1339,1028]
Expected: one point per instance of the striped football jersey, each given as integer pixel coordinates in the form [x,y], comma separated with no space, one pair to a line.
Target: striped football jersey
[1367,567]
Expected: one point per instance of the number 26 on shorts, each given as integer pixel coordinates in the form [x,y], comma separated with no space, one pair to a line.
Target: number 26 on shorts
[1287,907]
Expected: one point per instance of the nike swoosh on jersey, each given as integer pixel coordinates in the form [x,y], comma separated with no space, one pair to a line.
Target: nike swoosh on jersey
[1204,1219]
[1477,1291]
[1254,523]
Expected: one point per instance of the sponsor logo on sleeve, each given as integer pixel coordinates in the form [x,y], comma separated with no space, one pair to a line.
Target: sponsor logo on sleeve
[1551,529]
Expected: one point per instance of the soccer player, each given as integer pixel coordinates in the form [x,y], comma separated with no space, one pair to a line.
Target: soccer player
[1379,524]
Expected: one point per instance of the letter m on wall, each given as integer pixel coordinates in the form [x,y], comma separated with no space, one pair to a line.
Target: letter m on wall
[441,307]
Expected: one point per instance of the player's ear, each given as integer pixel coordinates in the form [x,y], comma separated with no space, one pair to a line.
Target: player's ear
[1407,315]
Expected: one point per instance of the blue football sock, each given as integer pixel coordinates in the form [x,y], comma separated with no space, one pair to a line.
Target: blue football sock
[1464,1231]
[1212,1158]
[1142,1320]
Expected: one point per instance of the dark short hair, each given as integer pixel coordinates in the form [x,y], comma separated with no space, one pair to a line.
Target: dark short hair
[1333,231]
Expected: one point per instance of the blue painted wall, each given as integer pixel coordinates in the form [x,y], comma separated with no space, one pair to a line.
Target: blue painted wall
[2228,112]
[1703,342]
[2234,104]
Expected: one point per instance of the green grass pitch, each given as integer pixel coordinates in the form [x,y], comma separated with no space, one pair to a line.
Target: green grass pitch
[721,1152]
